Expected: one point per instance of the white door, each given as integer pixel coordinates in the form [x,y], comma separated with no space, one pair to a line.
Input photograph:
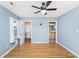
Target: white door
[12,37]
[18,30]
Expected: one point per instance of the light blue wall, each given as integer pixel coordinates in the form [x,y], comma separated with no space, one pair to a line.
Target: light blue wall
[67,25]
[39,33]
[5,29]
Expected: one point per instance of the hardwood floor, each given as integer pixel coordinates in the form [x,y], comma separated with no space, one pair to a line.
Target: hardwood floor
[40,50]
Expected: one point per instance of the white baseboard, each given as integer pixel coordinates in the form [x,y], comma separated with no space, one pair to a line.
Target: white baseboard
[68,50]
[40,42]
[8,51]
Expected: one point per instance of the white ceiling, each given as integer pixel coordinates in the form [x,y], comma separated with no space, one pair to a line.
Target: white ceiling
[24,9]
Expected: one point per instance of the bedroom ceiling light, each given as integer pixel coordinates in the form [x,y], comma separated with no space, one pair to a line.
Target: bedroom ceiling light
[43,12]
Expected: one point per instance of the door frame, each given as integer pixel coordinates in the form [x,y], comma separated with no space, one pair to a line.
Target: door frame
[31,27]
[55,27]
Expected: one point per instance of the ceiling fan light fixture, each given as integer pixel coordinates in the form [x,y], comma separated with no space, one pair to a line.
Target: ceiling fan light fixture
[43,12]
[44,8]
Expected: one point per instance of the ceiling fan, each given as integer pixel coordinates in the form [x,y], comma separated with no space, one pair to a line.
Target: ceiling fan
[44,8]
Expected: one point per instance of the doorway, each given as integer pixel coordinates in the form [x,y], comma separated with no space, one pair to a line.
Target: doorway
[14,31]
[52,31]
[28,31]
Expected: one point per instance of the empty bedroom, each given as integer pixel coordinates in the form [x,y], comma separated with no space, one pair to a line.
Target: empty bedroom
[39,29]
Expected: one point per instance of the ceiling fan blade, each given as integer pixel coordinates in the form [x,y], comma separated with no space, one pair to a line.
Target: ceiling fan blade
[37,12]
[50,9]
[36,7]
[48,3]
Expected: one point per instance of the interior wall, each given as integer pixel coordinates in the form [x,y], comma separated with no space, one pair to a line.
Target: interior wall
[40,33]
[68,30]
[5,29]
